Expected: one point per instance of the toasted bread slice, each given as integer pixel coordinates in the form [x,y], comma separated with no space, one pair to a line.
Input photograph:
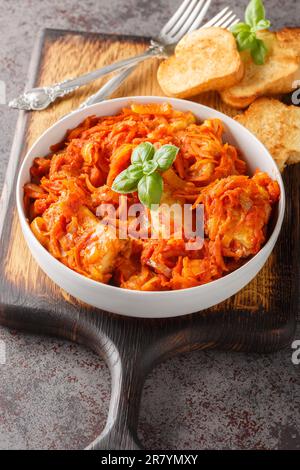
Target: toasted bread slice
[277,126]
[206,59]
[289,38]
[276,76]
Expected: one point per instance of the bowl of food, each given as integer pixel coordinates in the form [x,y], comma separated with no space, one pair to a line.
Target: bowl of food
[94,190]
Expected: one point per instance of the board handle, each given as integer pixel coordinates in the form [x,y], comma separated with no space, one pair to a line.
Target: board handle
[127,380]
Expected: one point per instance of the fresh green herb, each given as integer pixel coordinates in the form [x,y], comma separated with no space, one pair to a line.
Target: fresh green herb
[259,52]
[150,167]
[255,12]
[127,180]
[143,175]
[165,156]
[150,189]
[245,33]
[142,153]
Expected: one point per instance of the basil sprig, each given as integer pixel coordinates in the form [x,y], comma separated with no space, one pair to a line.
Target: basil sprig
[144,173]
[245,33]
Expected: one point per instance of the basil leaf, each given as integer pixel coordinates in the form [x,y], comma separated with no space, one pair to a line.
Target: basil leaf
[262,24]
[255,12]
[142,153]
[245,33]
[240,28]
[150,189]
[165,156]
[259,52]
[245,41]
[135,172]
[126,181]
[149,167]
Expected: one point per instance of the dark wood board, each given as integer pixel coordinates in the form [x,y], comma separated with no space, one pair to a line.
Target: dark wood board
[259,318]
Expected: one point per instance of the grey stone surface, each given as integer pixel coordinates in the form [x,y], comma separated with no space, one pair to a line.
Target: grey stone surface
[54,394]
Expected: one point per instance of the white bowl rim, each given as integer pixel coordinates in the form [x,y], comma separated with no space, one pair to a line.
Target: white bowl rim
[136,293]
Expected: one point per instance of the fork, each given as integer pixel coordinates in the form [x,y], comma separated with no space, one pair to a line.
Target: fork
[187,17]
[224,19]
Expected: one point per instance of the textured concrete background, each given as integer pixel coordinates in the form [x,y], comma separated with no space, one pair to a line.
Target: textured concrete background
[53,394]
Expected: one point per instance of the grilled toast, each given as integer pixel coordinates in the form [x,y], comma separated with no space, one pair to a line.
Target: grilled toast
[276,76]
[277,126]
[289,38]
[206,59]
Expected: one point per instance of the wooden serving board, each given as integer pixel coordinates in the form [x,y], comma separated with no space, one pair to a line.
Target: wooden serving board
[259,318]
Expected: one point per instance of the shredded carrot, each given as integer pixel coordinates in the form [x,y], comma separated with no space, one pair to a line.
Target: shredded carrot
[119,161]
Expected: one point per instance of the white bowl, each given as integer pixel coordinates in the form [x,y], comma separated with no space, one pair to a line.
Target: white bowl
[151,304]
